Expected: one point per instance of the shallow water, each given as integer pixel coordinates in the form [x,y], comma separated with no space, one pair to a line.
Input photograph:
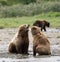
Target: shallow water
[33,59]
[7,34]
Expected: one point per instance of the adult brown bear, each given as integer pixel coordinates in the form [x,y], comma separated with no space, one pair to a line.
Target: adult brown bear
[20,42]
[41,24]
[41,44]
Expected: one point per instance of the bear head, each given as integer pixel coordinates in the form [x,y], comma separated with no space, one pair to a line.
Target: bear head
[35,30]
[23,29]
[46,23]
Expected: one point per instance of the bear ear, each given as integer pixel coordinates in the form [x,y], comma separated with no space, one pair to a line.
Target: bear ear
[28,26]
[21,26]
[33,28]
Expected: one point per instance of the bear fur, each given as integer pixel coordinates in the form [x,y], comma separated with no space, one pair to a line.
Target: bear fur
[41,44]
[41,24]
[20,42]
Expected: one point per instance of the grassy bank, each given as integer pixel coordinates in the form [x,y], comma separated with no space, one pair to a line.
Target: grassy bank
[53,18]
[29,10]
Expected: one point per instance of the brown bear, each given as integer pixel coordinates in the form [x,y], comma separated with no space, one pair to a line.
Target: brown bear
[20,42]
[41,44]
[41,24]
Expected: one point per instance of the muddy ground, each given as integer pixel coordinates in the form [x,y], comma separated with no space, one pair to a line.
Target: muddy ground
[7,34]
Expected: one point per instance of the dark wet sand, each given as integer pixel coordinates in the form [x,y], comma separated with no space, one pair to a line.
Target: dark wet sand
[7,34]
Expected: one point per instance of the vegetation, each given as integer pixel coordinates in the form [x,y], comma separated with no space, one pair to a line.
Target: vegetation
[16,12]
[29,10]
[53,18]
[12,2]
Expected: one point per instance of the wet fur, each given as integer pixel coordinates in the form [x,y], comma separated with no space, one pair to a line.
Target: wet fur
[20,42]
[41,44]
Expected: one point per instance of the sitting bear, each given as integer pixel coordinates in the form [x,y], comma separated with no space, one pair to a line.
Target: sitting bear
[41,44]
[41,24]
[20,42]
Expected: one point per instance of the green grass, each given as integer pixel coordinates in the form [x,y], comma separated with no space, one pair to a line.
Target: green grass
[53,18]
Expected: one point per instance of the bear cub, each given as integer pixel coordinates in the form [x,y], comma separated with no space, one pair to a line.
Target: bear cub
[20,42]
[41,44]
[43,24]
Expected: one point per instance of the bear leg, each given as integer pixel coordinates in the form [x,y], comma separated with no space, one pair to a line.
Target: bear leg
[12,48]
[25,49]
[42,50]
[44,29]
[34,51]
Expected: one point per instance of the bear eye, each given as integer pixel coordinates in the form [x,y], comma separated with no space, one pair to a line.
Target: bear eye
[20,30]
[34,28]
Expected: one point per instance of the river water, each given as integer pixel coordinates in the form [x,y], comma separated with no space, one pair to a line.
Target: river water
[53,34]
